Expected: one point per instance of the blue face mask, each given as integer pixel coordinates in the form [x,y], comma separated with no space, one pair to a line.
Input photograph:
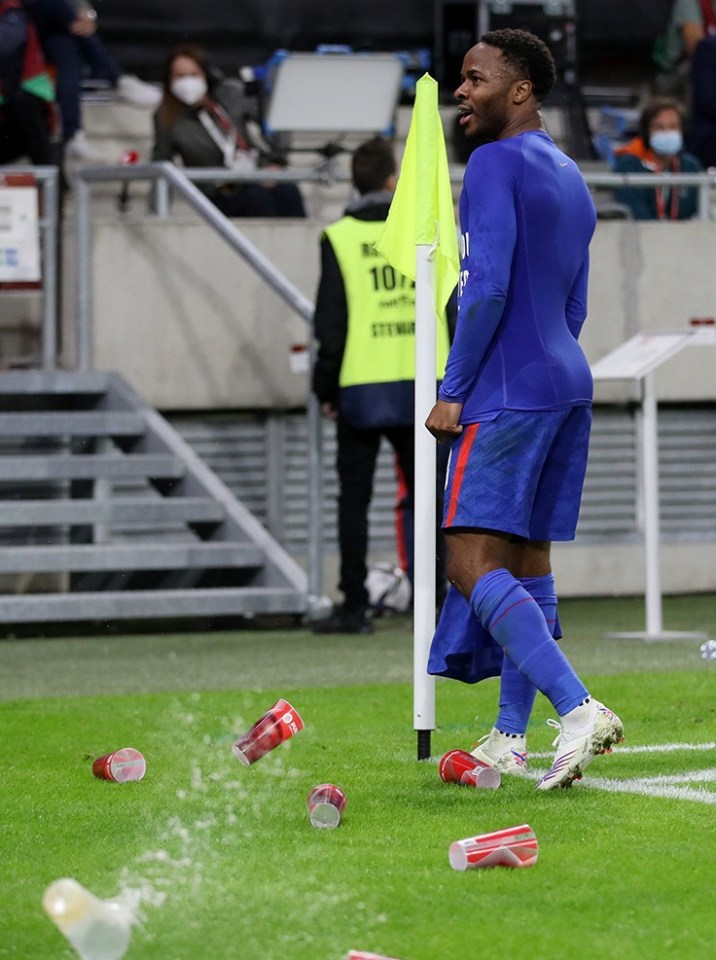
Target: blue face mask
[667,143]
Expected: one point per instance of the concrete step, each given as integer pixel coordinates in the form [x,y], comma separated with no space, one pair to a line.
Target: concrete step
[135,553]
[112,557]
[28,382]
[44,424]
[91,467]
[18,513]
[150,604]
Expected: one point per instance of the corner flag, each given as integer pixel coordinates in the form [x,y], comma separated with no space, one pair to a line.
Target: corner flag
[419,241]
[422,210]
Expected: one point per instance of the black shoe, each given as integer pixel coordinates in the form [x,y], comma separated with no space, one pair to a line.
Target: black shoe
[345,621]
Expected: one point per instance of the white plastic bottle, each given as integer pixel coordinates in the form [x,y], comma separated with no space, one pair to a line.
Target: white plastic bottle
[97,929]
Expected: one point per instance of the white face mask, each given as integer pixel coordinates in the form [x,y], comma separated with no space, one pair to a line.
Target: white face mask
[666,142]
[189,90]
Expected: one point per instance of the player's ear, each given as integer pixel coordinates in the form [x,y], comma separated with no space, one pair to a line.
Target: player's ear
[521,91]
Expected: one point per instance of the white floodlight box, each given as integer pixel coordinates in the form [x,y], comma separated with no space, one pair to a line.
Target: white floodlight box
[335,93]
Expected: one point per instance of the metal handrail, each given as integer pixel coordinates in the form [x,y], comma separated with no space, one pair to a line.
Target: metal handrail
[703,182]
[329,174]
[177,179]
[596,178]
[609,180]
[49,179]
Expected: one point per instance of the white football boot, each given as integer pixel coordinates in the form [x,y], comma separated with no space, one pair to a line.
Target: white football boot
[580,740]
[505,753]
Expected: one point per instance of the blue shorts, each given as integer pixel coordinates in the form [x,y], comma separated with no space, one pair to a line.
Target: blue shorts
[521,473]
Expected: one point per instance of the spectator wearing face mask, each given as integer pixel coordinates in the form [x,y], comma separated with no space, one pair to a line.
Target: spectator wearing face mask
[203,122]
[658,148]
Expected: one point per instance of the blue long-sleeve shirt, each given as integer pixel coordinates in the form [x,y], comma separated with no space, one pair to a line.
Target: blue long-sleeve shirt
[526,220]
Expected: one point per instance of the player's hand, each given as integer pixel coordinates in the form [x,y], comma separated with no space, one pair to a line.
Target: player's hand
[444,421]
[329,411]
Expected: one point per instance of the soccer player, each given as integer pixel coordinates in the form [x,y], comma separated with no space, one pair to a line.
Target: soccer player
[516,405]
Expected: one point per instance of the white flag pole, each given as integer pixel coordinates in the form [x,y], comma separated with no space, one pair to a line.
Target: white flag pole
[424,499]
[650,480]
[421,205]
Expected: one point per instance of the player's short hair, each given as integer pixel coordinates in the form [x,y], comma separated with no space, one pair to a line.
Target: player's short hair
[373,162]
[530,57]
[653,108]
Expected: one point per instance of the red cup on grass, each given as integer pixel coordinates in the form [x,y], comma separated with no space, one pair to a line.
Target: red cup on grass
[513,847]
[279,723]
[326,803]
[121,766]
[458,766]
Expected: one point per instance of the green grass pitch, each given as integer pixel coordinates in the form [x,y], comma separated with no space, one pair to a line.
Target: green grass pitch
[227,863]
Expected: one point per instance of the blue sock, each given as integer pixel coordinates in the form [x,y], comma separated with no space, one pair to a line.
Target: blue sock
[505,608]
[517,692]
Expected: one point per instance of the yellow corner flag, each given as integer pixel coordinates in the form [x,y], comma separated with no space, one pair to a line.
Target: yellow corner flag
[422,210]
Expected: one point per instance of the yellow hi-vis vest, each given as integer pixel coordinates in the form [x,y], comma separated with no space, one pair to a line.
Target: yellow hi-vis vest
[380,345]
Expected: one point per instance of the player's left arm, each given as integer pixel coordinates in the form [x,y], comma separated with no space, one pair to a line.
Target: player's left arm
[485,270]
[576,308]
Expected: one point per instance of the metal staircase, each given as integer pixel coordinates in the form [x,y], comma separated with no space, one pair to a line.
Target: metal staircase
[106,513]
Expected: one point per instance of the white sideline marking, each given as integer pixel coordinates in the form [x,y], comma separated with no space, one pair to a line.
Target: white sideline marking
[702,776]
[664,786]
[647,748]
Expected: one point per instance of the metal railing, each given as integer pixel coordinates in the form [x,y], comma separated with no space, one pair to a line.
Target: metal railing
[328,174]
[171,177]
[702,182]
[49,180]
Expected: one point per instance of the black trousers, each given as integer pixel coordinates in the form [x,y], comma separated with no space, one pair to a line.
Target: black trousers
[257,200]
[25,130]
[355,463]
